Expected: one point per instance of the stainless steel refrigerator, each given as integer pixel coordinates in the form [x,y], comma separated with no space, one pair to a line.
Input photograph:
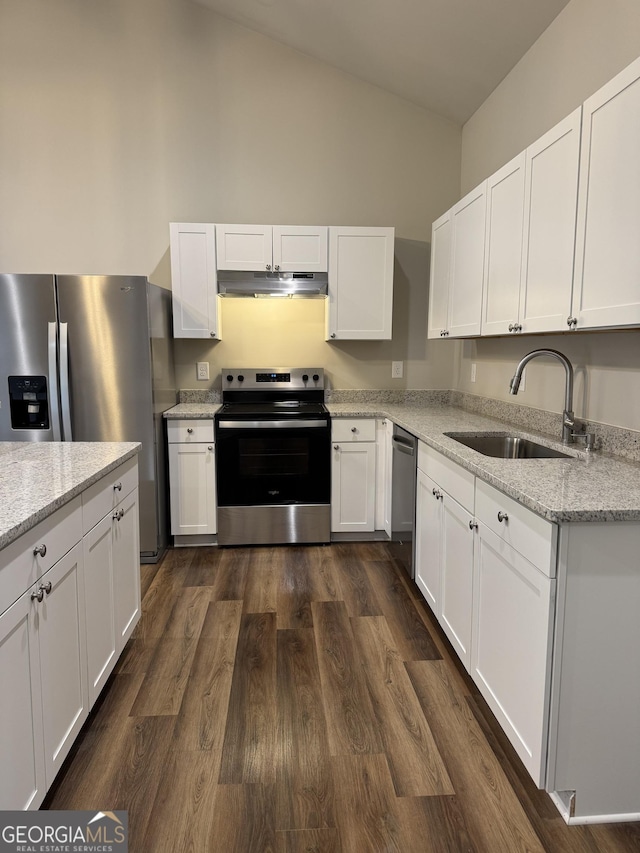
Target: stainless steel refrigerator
[90,358]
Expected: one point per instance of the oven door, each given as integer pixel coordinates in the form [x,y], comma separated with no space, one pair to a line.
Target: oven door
[273,481]
[273,462]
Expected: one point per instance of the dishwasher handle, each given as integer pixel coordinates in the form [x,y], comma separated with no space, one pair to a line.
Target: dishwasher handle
[403,445]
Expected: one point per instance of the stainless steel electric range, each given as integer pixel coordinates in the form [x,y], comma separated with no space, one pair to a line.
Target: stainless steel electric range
[273,446]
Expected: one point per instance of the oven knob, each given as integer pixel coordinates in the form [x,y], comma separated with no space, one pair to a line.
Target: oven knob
[305,377]
[229,377]
[315,377]
[241,378]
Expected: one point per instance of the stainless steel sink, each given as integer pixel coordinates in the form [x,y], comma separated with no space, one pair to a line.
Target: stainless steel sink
[505,446]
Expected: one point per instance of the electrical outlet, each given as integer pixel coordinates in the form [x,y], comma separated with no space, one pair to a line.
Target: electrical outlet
[397,369]
[202,369]
[473,371]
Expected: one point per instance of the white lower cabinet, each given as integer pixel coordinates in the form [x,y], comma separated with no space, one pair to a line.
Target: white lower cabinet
[428,539]
[384,434]
[512,643]
[456,580]
[353,475]
[192,477]
[61,636]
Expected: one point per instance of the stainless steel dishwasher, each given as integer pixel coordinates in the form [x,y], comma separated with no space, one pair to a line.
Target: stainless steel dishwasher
[403,497]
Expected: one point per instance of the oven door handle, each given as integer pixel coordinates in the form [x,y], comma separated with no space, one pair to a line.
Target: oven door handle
[293,424]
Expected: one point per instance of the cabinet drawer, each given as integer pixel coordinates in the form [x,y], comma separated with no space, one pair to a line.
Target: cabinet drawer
[529,534]
[102,497]
[455,480]
[20,567]
[353,429]
[189,431]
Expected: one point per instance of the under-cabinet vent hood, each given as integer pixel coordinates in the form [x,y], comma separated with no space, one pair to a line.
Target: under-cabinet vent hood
[309,285]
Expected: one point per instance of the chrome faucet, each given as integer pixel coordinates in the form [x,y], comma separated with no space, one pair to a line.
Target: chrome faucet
[568,420]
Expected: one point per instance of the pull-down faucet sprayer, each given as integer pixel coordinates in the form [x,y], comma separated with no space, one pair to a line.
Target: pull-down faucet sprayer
[568,420]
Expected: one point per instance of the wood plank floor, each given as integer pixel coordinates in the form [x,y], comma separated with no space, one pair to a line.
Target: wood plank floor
[280,700]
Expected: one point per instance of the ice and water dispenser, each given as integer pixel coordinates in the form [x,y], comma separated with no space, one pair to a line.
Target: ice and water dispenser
[29,402]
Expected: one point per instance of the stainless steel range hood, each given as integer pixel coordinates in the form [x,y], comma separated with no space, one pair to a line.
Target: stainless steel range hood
[309,285]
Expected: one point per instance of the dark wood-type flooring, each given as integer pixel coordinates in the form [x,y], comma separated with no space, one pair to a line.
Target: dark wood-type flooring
[303,699]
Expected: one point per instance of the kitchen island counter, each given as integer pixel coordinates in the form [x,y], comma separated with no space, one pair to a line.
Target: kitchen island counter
[37,478]
[587,487]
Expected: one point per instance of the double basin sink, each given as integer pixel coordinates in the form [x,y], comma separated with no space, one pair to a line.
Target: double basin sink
[504,446]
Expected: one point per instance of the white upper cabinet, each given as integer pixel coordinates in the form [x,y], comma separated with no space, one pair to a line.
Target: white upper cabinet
[607,277]
[438,320]
[468,219]
[551,196]
[263,248]
[360,300]
[503,252]
[193,280]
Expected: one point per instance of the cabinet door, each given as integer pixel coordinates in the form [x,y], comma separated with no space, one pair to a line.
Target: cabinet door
[607,290]
[22,779]
[468,219]
[102,645]
[126,568]
[300,248]
[512,643]
[428,539]
[193,281]
[360,283]
[353,487]
[244,247]
[551,195]
[440,279]
[503,253]
[192,484]
[384,432]
[456,591]
[63,658]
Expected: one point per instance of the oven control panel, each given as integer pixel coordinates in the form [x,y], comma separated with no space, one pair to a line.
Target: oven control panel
[279,378]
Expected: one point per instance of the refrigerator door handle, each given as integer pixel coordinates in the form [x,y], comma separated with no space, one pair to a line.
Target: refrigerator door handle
[54,406]
[64,382]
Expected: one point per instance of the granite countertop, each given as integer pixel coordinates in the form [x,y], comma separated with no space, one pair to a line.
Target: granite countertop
[37,478]
[588,487]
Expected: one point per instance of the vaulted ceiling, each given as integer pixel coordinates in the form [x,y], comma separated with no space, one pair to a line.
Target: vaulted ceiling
[444,55]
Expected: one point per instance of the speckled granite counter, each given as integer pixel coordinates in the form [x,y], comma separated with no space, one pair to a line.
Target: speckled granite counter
[37,478]
[587,487]
[192,410]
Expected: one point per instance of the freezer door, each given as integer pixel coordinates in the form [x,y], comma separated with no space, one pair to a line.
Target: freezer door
[28,343]
[109,373]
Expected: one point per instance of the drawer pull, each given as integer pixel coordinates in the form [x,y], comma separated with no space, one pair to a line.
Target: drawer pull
[502,516]
[40,551]
[473,525]
[37,595]
[189,430]
[46,587]
[118,515]
[354,429]
[117,487]
[437,495]
[336,447]
[210,447]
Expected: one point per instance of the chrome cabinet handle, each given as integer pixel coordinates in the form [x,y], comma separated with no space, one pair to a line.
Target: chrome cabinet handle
[511,327]
[502,516]
[276,267]
[212,334]
[40,550]
[572,322]
[437,494]
[210,447]
[333,334]
[336,447]
[118,515]
[473,525]
[46,587]
[189,430]
[37,595]
[117,487]
[354,429]
[268,266]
